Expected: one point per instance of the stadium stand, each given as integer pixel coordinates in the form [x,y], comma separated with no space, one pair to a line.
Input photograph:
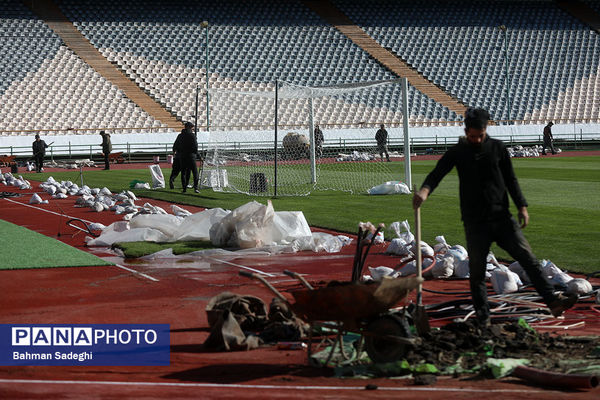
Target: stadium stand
[554,62]
[161,46]
[45,86]
[553,58]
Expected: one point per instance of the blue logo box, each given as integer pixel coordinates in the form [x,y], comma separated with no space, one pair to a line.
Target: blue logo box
[79,344]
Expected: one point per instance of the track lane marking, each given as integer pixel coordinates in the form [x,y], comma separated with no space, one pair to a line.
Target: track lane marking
[274,387]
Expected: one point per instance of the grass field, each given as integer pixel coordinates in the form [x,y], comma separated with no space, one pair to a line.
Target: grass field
[562,193]
[49,252]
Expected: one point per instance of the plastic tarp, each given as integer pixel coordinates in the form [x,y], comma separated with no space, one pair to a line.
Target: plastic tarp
[121,232]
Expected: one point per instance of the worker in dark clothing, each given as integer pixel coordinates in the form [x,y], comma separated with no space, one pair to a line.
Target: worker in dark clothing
[319,139]
[381,136]
[176,168]
[106,148]
[39,151]
[186,146]
[486,175]
[548,139]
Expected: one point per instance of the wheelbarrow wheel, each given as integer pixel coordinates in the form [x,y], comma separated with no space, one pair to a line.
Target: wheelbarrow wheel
[379,343]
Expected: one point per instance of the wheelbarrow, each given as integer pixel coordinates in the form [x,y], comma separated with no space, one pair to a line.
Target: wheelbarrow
[362,308]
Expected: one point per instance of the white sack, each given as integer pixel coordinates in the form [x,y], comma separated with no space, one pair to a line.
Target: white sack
[390,187]
[35,199]
[141,185]
[444,266]
[461,269]
[377,273]
[318,241]
[518,269]
[399,247]
[504,281]
[158,180]
[402,230]
[579,286]
[225,234]
[555,275]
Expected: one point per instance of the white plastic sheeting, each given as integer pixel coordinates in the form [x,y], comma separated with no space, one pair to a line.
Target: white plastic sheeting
[251,226]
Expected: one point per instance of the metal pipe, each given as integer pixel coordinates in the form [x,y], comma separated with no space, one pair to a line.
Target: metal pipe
[555,379]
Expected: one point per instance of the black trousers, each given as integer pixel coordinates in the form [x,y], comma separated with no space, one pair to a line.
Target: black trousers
[106,162]
[550,145]
[507,233]
[188,163]
[39,162]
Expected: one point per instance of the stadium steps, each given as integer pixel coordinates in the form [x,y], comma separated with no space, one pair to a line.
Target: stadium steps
[331,14]
[583,12]
[49,12]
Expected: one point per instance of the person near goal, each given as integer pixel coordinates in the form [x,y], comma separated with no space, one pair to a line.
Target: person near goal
[381,136]
[186,146]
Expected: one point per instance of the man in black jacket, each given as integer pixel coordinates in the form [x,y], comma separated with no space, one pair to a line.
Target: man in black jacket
[106,148]
[486,174]
[381,136]
[39,151]
[186,146]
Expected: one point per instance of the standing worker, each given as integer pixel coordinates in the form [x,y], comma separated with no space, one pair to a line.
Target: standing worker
[39,151]
[486,174]
[548,139]
[319,139]
[186,146]
[106,148]
[176,167]
[381,136]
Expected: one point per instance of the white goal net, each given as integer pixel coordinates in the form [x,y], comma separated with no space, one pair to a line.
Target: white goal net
[317,138]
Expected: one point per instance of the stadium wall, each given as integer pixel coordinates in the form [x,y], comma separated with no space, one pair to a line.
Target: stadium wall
[161,142]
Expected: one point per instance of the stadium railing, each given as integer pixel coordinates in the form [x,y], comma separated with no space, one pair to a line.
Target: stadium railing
[133,152]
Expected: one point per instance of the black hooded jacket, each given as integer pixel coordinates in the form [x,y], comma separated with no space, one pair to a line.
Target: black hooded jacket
[485,174]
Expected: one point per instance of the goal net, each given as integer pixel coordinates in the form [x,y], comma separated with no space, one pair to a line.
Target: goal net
[289,140]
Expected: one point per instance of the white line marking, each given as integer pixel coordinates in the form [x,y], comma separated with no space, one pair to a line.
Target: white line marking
[274,387]
[48,211]
[137,272]
[242,266]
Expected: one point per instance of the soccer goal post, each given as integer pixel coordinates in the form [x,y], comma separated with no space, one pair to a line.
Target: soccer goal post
[283,139]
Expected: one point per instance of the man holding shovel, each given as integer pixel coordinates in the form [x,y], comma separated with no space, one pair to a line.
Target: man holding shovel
[486,178]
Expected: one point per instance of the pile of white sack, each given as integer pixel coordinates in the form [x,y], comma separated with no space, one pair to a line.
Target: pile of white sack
[355,156]
[453,261]
[252,225]
[534,151]
[9,180]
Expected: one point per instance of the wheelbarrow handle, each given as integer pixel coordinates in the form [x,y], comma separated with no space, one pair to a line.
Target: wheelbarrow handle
[256,276]
[296,275]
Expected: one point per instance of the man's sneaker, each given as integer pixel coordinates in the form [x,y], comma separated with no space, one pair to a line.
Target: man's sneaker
[562,303]
[196,190]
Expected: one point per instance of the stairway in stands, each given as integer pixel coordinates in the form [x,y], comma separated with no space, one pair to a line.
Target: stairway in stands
[330,13]
[49,12]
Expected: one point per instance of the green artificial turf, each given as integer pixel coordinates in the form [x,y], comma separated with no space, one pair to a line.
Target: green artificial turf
[139,249]
[563,195]
[44,251]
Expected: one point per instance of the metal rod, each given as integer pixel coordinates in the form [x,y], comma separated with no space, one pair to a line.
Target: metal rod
[275,161]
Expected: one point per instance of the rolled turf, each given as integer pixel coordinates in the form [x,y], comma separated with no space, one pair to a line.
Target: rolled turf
[40,252]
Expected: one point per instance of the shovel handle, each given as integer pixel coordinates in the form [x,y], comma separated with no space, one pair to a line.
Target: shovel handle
[418,248]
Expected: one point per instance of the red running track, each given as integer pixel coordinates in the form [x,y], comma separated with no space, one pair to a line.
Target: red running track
[176,294]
